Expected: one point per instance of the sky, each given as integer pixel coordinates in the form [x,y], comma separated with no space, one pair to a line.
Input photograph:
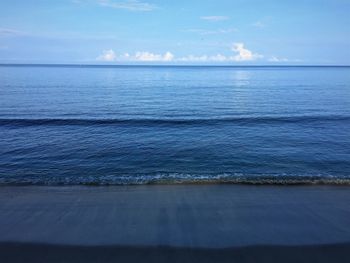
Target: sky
[232,32]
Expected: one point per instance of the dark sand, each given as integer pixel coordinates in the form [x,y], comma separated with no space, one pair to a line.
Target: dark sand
[193,223]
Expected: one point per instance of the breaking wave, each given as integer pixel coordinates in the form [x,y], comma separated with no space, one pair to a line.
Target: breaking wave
[178,178]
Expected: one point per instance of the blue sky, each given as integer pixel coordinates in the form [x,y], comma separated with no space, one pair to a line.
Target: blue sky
[175,32]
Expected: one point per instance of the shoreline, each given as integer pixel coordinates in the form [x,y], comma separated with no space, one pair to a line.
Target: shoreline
[211,222]
[180,179]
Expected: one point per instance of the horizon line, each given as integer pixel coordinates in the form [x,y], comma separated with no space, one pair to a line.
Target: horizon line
[163,65]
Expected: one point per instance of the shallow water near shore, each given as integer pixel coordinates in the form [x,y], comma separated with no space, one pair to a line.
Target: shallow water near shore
[140,125]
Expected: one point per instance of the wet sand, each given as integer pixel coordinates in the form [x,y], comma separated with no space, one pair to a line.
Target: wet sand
[175,223]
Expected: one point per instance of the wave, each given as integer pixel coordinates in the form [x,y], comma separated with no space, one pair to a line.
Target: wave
[168,121]
[177,179]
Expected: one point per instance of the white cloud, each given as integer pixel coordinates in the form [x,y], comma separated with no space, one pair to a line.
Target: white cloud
[168,56]
[244,54]
[131,5]
[150,57]
[144,56]
[215,18]
[218,58]
[107,56]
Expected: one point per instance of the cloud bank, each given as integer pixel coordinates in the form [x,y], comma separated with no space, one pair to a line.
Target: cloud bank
[241,54]
[148,56]
[144,56]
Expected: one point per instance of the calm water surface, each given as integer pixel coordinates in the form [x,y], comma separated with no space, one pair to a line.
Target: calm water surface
[126,125]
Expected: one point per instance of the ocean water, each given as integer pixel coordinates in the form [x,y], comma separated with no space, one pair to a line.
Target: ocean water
[136,125]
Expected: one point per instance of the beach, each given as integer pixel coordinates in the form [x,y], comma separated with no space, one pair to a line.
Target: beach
[149,131]
[175,223]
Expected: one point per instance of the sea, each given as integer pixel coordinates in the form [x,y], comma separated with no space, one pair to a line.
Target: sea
[127,125]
